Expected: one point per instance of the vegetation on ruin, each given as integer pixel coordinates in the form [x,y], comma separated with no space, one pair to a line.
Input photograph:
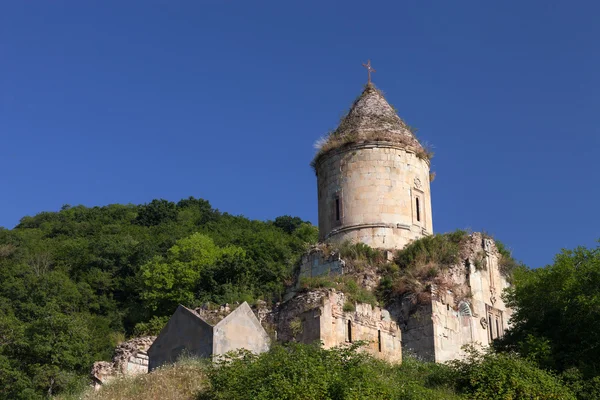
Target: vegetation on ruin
[347,133]
[346,284]
[420,265]
[419,268]
[76,282]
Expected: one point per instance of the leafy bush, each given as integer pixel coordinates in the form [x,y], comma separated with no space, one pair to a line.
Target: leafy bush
[297,371]
[505,376]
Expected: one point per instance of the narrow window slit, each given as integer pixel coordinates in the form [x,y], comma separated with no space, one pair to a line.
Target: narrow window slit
[350,331]
[498,333]
[418,210]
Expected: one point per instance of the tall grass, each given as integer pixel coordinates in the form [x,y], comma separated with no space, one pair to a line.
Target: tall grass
[181,381]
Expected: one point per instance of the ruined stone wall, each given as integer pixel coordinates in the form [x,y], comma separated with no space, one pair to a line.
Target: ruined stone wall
[320,315]
[315,262]
[130,358]
[467,310]
[416,325]
[373,188]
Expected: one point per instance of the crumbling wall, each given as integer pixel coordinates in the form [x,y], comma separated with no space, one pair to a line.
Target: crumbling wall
[319,315]
[317,262]
[465,308]
[130,358]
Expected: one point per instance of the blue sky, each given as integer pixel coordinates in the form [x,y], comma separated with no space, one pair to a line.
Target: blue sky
[122,102]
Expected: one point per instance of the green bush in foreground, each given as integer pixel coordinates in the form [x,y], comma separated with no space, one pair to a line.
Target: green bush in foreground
[506,376]
[307,372]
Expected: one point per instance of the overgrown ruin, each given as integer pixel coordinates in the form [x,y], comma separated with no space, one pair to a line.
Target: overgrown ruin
[379,275]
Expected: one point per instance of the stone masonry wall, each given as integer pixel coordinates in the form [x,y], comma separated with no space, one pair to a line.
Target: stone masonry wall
[130,358]
[469,311]
[319,315]
[375,186]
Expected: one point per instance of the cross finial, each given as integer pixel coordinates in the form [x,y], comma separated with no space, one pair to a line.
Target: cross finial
[369,69]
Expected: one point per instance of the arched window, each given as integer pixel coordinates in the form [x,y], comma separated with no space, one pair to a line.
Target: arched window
[349,339]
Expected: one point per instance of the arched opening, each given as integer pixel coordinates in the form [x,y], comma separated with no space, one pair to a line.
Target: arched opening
[349,339]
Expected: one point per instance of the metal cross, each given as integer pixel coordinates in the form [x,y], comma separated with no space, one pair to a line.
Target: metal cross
[369,69]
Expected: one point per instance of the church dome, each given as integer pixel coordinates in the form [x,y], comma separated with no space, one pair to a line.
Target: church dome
[370,119]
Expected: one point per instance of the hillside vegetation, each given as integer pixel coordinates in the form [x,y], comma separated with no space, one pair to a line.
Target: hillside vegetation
[74,283]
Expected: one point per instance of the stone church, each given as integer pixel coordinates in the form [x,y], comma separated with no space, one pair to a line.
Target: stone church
[373,180]
[373,187]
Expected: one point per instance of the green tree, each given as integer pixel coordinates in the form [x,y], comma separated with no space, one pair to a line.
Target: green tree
[156,212]
[556,319]
[173,279]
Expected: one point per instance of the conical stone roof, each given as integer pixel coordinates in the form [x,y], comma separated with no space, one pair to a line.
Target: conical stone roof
[371,118]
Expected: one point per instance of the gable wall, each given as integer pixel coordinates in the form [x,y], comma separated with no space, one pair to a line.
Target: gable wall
[184,333]
[238,330]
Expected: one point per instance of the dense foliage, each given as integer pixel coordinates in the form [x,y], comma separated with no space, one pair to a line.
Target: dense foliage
[73,283]
[299,371]
[505,376]
[557,318]
[76,282]
[308,372]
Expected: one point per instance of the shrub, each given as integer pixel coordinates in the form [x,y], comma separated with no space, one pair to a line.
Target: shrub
[297,371]
[505,376]
[346,284]
[439,249]
[419,265]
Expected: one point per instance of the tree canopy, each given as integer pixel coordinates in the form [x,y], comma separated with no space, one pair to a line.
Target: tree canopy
[76,281]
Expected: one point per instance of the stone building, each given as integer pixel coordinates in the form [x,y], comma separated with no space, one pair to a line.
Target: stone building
[373,178]
[188,333]
[373,187]
[130,358]
[320,316]
[465,308]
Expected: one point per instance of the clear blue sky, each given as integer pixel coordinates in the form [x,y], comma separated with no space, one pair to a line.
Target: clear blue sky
[122,102]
